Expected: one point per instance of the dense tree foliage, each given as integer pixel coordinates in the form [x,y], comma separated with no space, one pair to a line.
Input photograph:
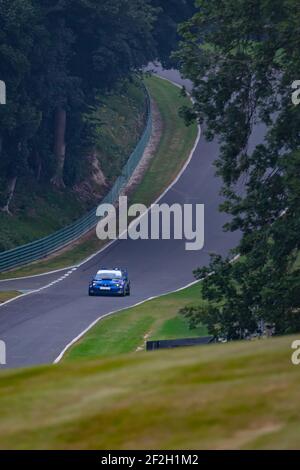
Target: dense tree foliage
[55,56]
[169,14]
[243,57]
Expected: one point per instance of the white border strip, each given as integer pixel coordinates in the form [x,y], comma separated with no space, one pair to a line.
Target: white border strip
[32,276]
[35,291]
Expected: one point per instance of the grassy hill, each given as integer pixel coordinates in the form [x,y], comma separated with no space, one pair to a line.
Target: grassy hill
[238,395]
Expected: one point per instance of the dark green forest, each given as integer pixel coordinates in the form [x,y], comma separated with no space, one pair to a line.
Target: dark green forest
[61,60]
[243,57]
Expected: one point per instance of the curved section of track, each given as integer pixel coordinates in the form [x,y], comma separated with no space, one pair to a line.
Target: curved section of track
[38,326]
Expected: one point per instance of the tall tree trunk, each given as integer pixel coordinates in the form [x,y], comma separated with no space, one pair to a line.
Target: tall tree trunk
[39,170]
[37,165]
[11,190]
[59,146]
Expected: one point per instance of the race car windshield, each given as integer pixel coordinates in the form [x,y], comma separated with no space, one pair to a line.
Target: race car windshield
[108,276]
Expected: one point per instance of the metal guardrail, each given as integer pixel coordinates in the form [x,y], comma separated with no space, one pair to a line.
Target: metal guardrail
[43,247]
[178,343]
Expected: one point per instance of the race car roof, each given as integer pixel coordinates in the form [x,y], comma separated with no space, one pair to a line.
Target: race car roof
[109,271]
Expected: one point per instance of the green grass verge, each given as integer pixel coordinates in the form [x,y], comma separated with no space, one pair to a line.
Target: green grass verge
[239,396]
[176,143]
[128,330]
[174,148]
[8,295]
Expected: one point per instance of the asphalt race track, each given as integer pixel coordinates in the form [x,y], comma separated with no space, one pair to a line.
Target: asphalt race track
[37,327]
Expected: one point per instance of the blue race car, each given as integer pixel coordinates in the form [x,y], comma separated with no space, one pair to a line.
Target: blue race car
[110,281]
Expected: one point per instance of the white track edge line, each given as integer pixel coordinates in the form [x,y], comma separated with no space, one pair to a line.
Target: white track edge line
[37,275]
[34,291]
